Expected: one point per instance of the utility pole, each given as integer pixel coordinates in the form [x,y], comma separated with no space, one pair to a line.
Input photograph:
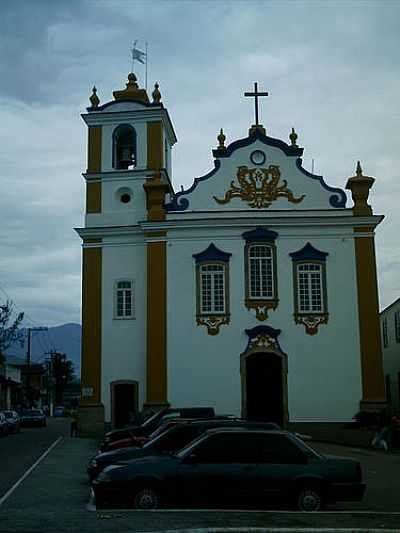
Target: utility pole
[28,362]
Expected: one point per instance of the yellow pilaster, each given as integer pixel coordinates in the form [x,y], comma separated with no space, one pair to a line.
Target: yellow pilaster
[373,385]
[93,190]
[154,145]
[91,325]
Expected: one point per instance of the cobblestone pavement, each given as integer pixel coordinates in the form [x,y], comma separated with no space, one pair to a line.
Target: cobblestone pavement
[54,497]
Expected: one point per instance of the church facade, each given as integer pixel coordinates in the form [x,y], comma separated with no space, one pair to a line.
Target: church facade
[253,291]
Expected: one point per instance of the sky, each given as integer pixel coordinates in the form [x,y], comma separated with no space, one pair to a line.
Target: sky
[331,69]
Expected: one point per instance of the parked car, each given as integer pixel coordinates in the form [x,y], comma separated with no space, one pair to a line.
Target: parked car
[33,417]
[13,421]
[170,437]
[59,411]
[4,428]
[154,421]
[233,466]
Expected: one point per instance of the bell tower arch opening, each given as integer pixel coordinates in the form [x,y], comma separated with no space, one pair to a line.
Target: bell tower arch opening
[124,147]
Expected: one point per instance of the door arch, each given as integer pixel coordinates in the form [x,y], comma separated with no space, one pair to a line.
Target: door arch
[124,401]
[263,370]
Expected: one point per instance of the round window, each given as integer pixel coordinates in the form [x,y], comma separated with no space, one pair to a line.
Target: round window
[257,157]
[125,198]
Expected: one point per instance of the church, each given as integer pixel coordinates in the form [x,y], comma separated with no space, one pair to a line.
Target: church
[254,291]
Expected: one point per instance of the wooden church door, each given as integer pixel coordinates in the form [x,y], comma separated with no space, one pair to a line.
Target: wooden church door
[264,388]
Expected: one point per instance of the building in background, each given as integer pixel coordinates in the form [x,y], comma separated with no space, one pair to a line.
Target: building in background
[390,326]
[11,393]
[253,291]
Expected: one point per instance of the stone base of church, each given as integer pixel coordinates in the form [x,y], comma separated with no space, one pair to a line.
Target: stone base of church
[91,420]
[372,406]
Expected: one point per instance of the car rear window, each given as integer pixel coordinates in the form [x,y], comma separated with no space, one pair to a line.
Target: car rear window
[279,449]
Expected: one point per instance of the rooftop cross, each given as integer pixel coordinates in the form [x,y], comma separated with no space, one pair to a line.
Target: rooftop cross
[256,94]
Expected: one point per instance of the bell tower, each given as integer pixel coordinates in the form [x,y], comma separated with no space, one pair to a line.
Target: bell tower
[130,139]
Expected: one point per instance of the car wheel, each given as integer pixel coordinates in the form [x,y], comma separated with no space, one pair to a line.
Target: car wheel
[309,499]
[146,499]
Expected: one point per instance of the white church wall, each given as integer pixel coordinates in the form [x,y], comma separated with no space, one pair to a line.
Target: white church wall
[323,373]
[123,340]
[316,196]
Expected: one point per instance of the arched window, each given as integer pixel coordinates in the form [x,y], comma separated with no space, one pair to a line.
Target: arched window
[124,147]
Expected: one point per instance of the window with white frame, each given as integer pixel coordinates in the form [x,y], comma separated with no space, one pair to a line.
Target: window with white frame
[385,332]
[397,325]
[124,299]
[310,288]
[212,288]
[261,271]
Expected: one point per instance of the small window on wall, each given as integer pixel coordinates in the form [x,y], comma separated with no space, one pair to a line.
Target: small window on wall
[124,147]
[124,299]
[397,325]
[310,291]
[261,287]
[385,333]
[212,288]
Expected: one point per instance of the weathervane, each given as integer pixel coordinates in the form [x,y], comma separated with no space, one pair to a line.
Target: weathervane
[139,56]
[256,94]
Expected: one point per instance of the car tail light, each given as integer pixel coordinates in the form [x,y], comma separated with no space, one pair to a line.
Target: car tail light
[359,472]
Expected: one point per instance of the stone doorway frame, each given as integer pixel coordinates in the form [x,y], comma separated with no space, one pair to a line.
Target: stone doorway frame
[264,339]
[113,386]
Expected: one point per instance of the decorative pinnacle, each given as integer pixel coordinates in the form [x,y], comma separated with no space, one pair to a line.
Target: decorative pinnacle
[359,170]
[221,139]
[156,94]
[132,79]
[293,138]
[94,99]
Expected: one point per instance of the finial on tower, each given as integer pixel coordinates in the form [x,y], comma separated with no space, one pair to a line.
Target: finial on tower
[221,140]
[293,138]
[156,94]
[360,185]
[94,99]
[132,91]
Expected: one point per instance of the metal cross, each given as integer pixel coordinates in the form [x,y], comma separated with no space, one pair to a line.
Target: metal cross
[256,94]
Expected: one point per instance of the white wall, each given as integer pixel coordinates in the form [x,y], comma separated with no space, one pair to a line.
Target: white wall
[323,370]
[123,341]
[391,353]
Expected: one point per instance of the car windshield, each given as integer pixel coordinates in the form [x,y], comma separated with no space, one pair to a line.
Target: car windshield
[307,449]
[8,414]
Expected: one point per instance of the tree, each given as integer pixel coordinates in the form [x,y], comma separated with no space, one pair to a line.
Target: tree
[62,371]
[9,330]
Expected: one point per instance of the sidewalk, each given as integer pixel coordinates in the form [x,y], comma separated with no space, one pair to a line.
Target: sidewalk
[335,433]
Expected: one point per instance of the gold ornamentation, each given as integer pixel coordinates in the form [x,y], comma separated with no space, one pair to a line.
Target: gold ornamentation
[311,322]
[156,94]
[264,341]
[221,140]
[293,138]
[259,187]
[94,99]
[212,322]
[261,307]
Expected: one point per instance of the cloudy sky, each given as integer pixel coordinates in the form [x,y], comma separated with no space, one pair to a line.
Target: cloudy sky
[331,68]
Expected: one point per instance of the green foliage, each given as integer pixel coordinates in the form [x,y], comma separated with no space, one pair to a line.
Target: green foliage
[9,328]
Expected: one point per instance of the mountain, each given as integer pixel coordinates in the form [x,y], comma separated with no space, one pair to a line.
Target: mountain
[65,338]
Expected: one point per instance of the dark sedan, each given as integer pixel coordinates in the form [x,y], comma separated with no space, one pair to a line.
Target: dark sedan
[233,466]
[33,417]
[170,437]
[13,421]
[154,421]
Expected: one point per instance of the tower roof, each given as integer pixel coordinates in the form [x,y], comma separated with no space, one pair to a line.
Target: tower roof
[132,91]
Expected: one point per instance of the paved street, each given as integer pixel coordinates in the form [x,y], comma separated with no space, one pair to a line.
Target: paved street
[18,452]
[54,497]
